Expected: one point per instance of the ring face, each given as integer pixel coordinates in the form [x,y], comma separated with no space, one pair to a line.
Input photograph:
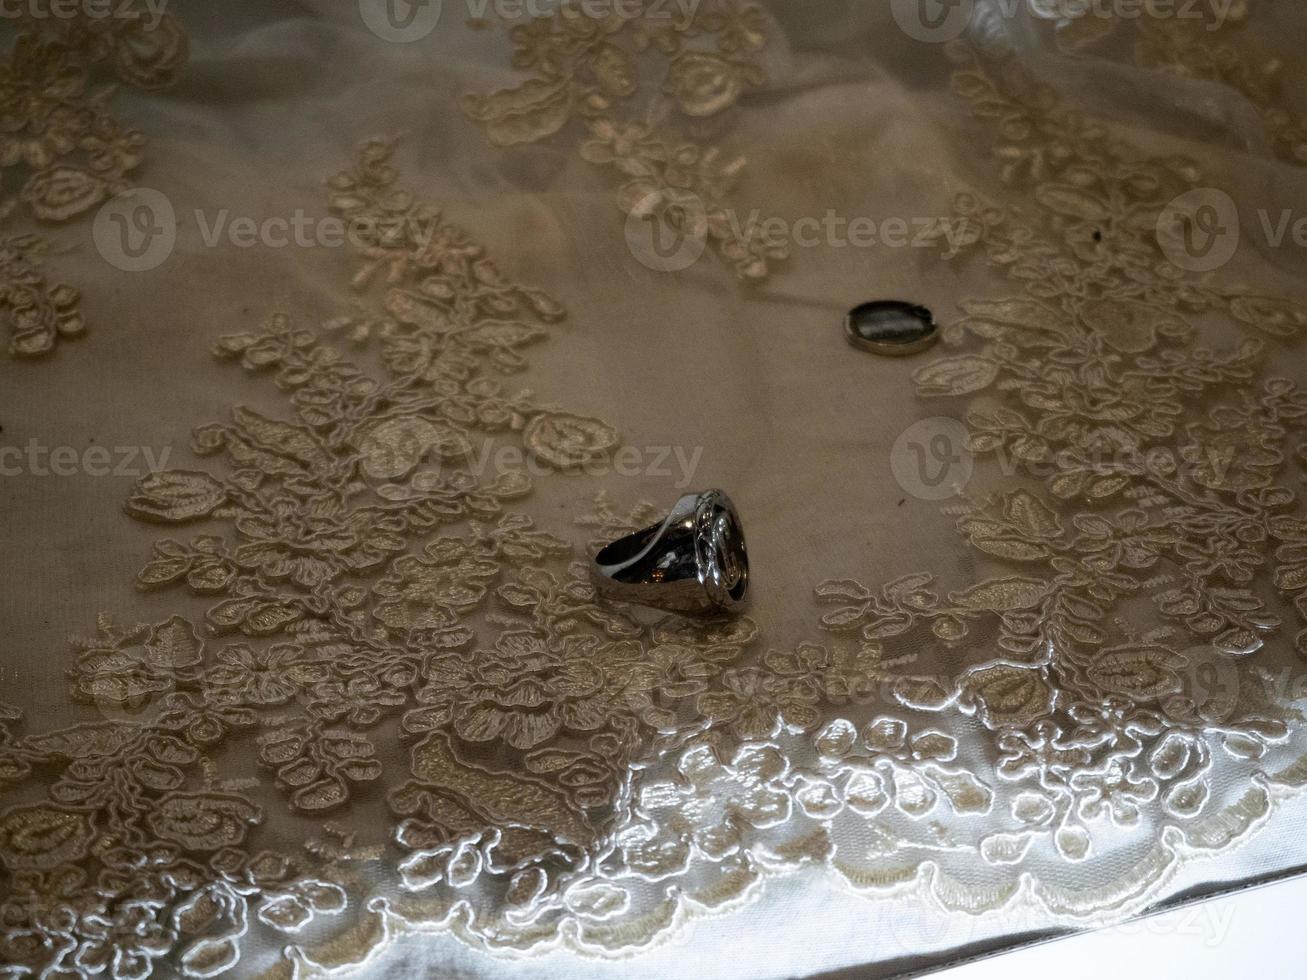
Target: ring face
[891,328]
[695,562]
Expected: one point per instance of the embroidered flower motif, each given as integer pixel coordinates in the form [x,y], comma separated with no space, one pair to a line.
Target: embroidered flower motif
[670,673]
[285,542]
[522,751]
[704,84]
[629,147]
[568,441]
[73,151]
[428,593]
[271,676]
[521,692]
[756,703]
[588,68]
[712,806]
[1115,791]
[361,700]
[1039,751]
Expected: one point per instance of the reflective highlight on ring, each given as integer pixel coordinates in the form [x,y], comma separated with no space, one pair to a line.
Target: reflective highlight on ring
[695,562]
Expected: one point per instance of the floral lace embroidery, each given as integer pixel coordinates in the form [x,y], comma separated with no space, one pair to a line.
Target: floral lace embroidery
[128,860]
[1127,582]
[64,151]
[1204,43]
[588,68]
[581,776]
[1192,50]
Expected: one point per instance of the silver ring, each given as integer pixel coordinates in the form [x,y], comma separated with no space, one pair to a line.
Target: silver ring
[694,563]
[891,328]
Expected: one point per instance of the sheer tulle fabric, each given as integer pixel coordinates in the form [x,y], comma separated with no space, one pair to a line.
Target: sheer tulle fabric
[1028,608]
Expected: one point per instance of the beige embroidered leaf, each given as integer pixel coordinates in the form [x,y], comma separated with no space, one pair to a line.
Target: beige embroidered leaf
[1009,696]
[394,447]
[532,111]
[956,375]
[1025,322]
[1291,578]
[1005,848]
[62,193]
[913,794]
[38,837]
[12,769]
[1188,798]
[845,618]
[98,738]
[568,441]
[1031,516]
[965,793]
[503,333]
[865,793]
[1013,549]
[1279,318]
[1145,673]
[885,735]
[615,70]
[509,796]
[254,617]
[844,589]
[176,496]
[1002,595]
[173,645]
[280,437]
[921,693]
[203,821]
[1131,328]
[703,84]
[836,740]
[148,53]
[1238,642]
[1289,528]
[1073,843]
[1071,201]
[211,957]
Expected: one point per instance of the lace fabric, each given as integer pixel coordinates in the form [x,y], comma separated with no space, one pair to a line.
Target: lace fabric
[65,151]
[371,691]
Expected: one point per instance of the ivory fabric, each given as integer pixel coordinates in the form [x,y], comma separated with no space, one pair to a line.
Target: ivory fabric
[1027,624]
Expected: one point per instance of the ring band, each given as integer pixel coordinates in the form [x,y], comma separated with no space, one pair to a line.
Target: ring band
[695,562]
